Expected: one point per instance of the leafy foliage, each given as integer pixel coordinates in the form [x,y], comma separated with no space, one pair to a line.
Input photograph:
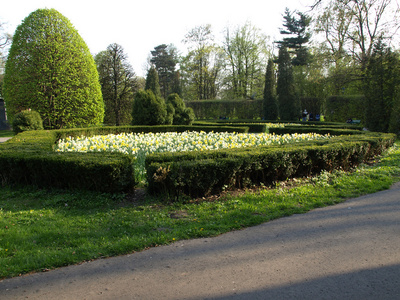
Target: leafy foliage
[50,69]
[118,83]
[27,120]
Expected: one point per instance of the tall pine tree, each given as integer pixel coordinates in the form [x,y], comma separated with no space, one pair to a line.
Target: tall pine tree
[152,82]
[380,88]
[270,105]
[289,108]
[297,36]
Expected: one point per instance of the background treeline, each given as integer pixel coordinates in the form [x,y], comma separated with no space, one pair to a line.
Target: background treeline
[336,48]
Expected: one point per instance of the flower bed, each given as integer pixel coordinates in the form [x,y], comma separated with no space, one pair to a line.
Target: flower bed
[142,144]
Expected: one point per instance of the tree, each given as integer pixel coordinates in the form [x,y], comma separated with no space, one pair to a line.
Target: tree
[164,58]
[118,83]
[50,70]
[152,82]
[353,26]
[246,57]
[289,108]
[182,115]
[381,87]
[148,109]
[270,105]
[202,65]
[298,36]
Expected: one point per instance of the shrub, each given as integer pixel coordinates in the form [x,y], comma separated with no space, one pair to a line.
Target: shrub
[206,172]
[182,115]
[27,120]
[51,70]
[148,109]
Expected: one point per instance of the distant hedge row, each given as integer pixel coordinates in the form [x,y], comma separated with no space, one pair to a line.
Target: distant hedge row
[29,158]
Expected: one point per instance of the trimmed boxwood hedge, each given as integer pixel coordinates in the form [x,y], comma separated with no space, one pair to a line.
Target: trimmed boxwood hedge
[203,173]
[29,158]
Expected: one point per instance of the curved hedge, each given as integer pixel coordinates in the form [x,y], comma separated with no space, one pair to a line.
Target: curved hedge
[28,158]
[203,173]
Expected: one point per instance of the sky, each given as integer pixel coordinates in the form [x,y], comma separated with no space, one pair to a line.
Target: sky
[139,26]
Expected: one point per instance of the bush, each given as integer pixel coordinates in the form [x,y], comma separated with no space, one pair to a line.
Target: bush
[148,109]
[181,114]
[27,120]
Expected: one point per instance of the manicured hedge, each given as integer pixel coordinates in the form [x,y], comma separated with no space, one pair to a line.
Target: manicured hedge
[198,174]
[29,158]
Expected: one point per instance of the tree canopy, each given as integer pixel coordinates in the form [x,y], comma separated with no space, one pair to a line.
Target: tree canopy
[50,70]
[118,84]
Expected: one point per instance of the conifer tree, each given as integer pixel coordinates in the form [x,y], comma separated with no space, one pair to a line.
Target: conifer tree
[289,109]
[270,105]
[152,82]
[380,88]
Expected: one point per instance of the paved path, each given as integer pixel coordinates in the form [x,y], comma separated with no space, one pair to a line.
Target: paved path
[3,139]
[347,251]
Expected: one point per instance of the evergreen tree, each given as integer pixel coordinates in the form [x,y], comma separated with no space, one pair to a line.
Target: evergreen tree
[299,36]
[50,70]
[164,59]
[148,109]
[152,82]
[182,114]
[289,108]
[270,105]
[380,87]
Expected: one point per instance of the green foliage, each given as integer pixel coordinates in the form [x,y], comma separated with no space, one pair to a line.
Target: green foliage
[296,28]
[152,82]
[289,109]
[207,172]
[245,51]
[342,108]
[165,59]
[202,66]
[82,226]
[148,109]
[27,120]
[270,105]
[181,114]
[118,83]
[29,158]
[232,109]
[381,81]
[50,69]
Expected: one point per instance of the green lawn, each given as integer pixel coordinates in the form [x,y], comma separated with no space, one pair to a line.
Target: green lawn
[6,133]
[44,229]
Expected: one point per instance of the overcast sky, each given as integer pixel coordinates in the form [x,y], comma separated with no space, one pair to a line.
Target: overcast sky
[139,26]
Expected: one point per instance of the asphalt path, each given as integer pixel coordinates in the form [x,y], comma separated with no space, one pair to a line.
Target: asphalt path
[3,139]
[347,251]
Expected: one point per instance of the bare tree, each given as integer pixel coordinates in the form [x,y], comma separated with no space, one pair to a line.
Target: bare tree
[355,25]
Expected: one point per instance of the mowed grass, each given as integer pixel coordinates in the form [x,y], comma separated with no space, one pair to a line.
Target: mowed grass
[45,229]
[6,133]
